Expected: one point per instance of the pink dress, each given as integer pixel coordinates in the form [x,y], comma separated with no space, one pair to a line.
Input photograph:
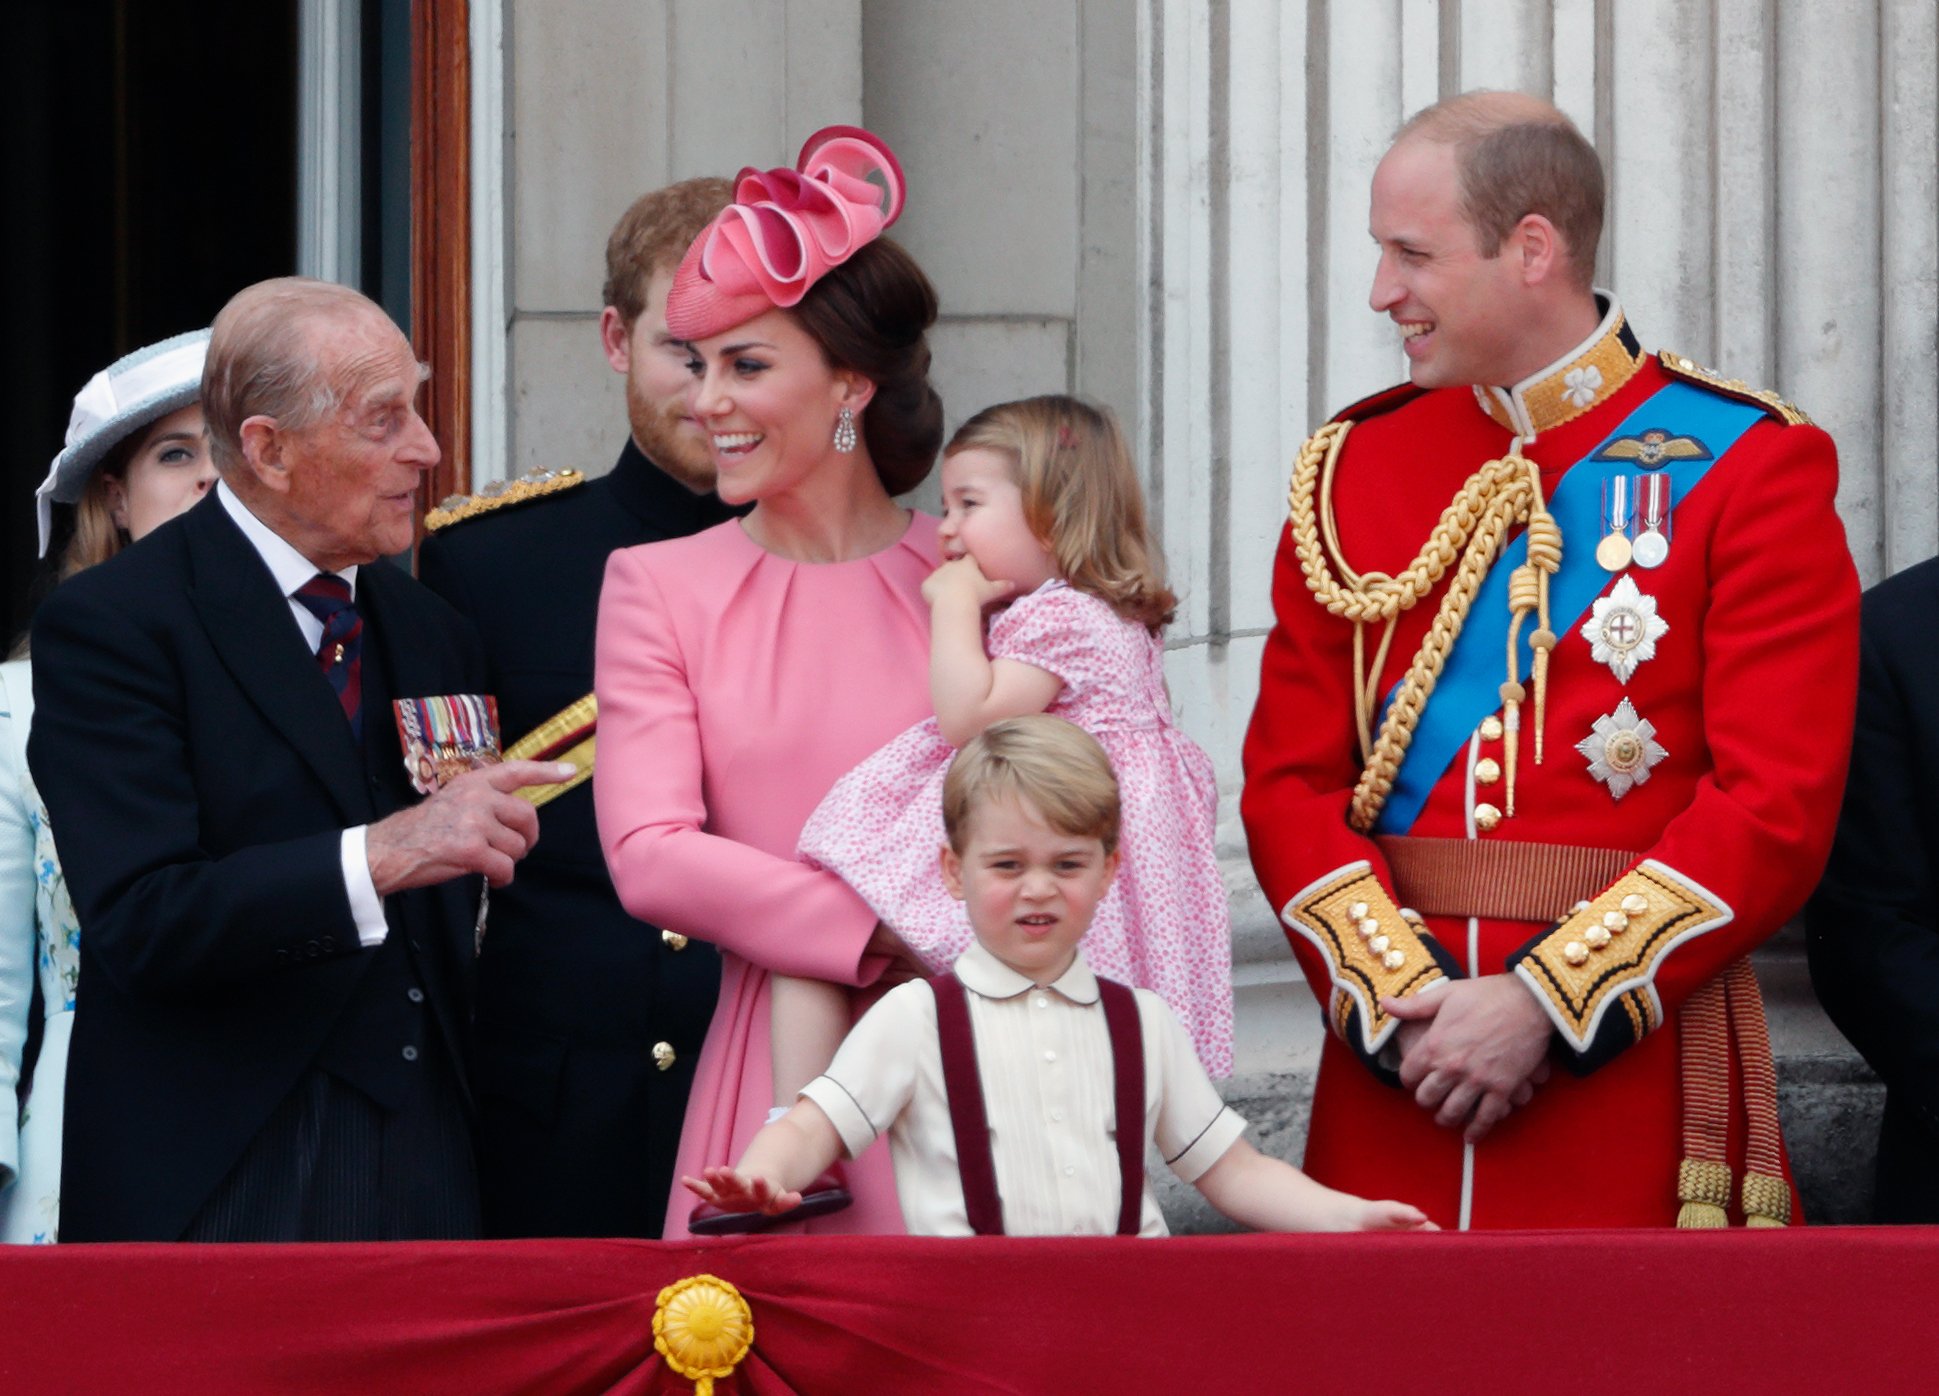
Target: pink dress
[734,687]
[1165,925]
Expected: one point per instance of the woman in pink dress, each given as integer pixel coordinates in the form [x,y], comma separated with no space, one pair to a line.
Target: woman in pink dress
[742,670]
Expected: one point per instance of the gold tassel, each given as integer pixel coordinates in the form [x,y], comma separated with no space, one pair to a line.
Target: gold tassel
[1511,728]
[1544,641]
[1704,1188]
[1767,1200]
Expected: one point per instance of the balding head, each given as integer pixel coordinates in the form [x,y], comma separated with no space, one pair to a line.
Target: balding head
[311,394]
[263,358]
[1517,155]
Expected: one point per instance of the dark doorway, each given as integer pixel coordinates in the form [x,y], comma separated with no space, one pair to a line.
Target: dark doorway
[151,158]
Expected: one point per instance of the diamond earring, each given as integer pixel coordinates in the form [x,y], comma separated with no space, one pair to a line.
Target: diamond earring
[845,431]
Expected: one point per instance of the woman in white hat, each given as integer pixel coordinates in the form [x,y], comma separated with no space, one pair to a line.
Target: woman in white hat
[136,456]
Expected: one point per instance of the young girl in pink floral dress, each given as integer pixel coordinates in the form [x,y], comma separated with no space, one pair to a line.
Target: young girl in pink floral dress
[1044,522]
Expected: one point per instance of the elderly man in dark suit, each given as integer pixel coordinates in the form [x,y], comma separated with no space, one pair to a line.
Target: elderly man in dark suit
[276,935]
[1873,927]
[589,1022]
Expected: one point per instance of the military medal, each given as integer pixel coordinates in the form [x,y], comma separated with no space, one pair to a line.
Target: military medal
[1652,545]
[446,735]
[1623,629]
[1613,552]
[1621,748]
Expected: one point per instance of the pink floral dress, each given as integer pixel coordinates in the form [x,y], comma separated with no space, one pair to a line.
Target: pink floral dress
[1165,925]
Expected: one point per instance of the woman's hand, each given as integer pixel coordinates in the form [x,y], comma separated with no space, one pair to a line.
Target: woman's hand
[962,578]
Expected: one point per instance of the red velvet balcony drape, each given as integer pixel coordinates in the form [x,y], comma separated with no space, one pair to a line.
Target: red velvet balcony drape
[1821,1310]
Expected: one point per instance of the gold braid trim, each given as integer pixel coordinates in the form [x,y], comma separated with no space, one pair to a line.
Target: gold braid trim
[1582,968]
[1469,537]
[533,484]
[1372,948]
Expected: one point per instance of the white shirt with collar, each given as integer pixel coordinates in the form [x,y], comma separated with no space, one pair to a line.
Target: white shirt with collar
[291,570]
[1044,1056]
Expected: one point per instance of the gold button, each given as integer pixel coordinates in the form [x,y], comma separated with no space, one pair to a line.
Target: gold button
[1596,936]
[1616,922]
[1393,959]
[673,940]
[1635,904]
[1491,729]
[663,1056]
[1487,771]
[1580,906]
[1575,952]
[1358,911]
[1368,928]
[1379,945]
[1486,817]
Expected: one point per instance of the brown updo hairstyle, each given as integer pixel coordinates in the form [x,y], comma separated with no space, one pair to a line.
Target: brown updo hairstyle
[871,316]
[1081,498]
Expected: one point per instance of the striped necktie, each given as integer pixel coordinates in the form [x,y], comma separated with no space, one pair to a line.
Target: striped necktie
[341,651]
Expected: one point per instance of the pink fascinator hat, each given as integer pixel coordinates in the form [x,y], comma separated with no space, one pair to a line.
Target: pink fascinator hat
[785,230]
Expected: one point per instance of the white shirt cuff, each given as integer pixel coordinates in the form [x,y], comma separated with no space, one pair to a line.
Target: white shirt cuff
[1210,1146]
[366,907]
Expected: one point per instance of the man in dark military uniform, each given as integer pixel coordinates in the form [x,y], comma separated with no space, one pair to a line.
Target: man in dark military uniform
[1874,924]
[589,1022]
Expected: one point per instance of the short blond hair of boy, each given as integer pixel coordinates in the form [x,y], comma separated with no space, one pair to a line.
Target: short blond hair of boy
[1058,767]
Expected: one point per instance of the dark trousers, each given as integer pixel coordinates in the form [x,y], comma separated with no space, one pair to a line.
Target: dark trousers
[1908,1166]
[333,1165]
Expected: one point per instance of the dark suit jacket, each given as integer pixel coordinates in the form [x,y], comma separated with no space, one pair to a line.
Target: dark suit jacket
[198,774]
[1873,927]
[578,1119]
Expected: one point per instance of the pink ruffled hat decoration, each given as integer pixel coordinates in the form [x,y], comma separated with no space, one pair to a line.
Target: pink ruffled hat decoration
[785,230]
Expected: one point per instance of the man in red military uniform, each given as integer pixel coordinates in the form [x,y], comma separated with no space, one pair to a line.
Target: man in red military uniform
[1553,723]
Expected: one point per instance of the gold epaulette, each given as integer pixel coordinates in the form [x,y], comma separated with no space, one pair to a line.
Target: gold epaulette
[1606,952]
[1373,949]
[1690,371]
[533,484]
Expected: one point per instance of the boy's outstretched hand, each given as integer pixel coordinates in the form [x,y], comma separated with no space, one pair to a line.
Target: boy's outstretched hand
[734,1191]
[1391,1216]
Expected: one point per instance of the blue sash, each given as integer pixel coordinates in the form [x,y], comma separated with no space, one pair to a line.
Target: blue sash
[1469,688]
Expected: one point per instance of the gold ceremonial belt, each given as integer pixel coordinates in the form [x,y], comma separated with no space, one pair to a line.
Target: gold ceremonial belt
[568,735]
[1496,878]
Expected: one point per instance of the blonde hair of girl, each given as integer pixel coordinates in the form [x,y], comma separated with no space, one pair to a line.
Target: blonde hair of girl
[1081,498]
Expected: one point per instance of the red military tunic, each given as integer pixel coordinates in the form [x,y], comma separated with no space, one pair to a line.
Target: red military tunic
[1750,692]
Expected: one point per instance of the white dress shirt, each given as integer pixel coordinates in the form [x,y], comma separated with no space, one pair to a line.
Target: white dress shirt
[291,570]
[1044,1056]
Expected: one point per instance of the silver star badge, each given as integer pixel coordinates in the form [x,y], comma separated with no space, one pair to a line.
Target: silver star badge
[1621,749]
[1623,629]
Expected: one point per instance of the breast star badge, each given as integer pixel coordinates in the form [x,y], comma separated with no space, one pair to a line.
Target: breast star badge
[1621,749]
[1623,629]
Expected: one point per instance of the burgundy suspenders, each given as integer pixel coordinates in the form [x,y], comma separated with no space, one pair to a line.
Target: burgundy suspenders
[1128,1083]
[971,1122]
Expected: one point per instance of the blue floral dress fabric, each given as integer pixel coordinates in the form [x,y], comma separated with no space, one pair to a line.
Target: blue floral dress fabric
[39,937]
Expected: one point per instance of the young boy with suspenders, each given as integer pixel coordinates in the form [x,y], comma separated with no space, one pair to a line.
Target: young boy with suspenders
[1000,1084]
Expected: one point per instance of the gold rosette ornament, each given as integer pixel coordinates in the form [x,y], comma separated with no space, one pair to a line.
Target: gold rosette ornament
[703,1328]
